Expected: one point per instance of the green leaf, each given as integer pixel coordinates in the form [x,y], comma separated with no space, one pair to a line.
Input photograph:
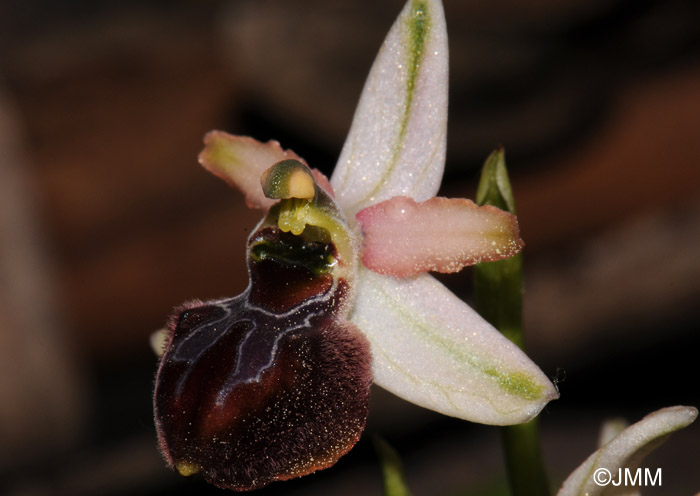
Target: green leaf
[394,483]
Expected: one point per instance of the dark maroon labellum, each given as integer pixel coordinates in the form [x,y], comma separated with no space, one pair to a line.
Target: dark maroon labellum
[269,385]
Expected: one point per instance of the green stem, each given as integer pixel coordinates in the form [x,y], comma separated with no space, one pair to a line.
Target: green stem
[524,463]
[394,482]
[498,288]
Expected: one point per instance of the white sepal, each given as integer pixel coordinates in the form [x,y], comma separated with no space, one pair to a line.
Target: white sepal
[396,145]
[432,349]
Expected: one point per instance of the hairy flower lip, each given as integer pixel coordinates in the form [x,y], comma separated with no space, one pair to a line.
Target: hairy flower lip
[274,383]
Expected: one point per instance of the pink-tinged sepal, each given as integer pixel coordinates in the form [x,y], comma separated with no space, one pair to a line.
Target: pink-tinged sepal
[403,237]
[240,161]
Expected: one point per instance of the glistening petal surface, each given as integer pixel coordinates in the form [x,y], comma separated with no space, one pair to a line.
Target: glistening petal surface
[403,237]
[432,349]
[626,450]
[396,145]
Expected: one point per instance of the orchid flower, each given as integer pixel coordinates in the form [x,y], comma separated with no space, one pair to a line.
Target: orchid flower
[600,475]
[274,383]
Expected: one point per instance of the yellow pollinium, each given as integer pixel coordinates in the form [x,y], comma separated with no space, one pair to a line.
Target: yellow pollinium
[301,185]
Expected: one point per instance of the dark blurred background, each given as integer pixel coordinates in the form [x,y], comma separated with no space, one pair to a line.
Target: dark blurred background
[107,221]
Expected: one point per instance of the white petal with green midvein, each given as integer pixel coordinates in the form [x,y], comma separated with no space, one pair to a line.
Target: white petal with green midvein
[396,145]
[626,450]
[432,349]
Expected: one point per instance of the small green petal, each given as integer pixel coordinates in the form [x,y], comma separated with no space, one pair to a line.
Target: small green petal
[494,185]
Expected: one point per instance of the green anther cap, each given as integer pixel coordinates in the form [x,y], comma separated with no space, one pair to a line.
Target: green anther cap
[288,179]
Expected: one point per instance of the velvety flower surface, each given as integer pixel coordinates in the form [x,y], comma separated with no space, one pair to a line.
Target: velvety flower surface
[274,383]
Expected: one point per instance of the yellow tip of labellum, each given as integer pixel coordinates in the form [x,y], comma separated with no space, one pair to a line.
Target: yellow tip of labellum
[288,179]
[186,468]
